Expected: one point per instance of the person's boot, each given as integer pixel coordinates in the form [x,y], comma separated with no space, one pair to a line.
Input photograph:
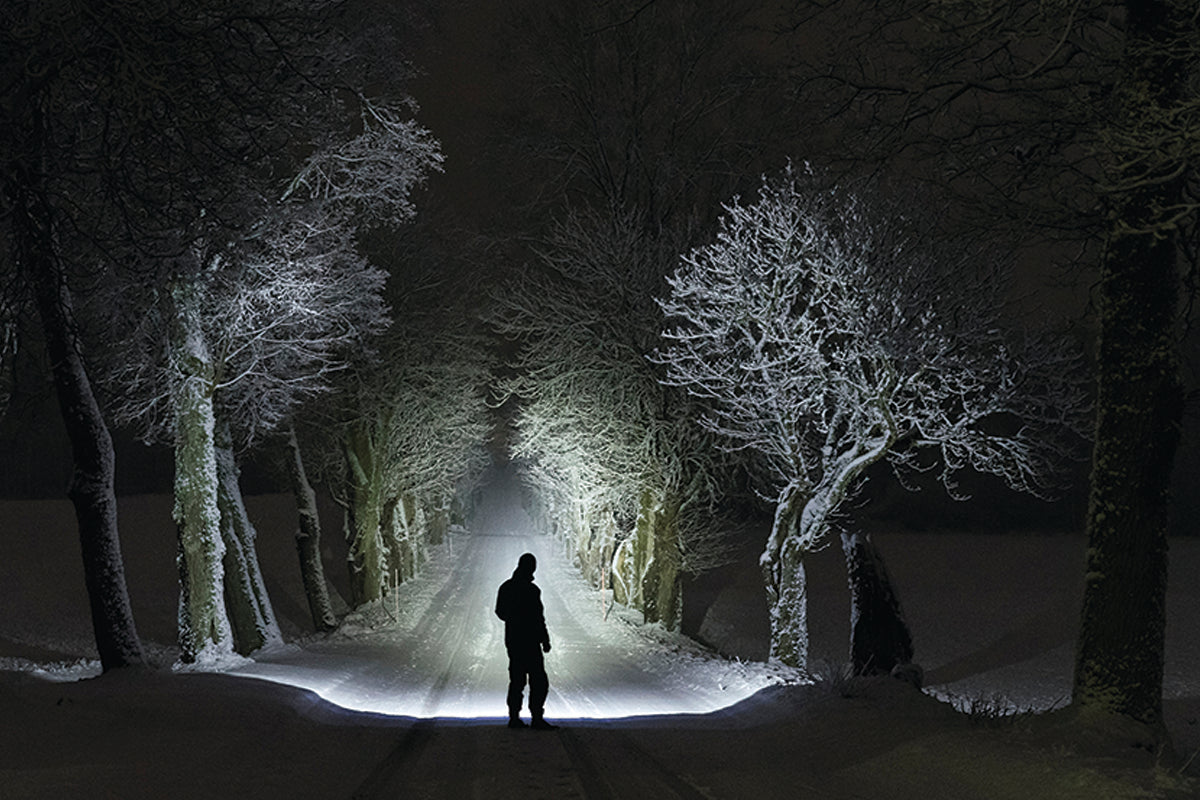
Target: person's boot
[539,723]
[514,720]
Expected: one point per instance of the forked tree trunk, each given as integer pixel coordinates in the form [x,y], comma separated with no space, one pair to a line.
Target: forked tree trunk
[91,489]
[308,540]
[879,636]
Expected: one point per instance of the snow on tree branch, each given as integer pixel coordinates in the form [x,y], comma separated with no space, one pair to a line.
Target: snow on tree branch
[824,333]
[813,327]
[374,173]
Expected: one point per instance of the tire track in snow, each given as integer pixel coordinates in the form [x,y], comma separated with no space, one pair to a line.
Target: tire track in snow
[633,771]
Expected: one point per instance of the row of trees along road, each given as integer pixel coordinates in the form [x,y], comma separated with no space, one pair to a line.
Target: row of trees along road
[412,443]
[209,170]
[1062,127]
[1074,122]
[618,466]
[628,123]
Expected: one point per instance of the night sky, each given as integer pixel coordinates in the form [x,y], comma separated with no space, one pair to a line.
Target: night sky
[467,89]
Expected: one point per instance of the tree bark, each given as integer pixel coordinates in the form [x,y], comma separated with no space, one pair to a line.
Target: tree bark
[308,540]
[366,556]
[787,602]
[879,636]
[246,601]
[1119,656]
[662,586]
[786,583]
[91,489]
[203,624]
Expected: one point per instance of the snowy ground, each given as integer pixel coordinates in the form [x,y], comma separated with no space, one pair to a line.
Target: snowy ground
[438,650]
[406,700]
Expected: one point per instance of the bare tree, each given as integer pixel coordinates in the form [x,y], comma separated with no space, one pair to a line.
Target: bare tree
[636,121]
[252,328]
[826,336]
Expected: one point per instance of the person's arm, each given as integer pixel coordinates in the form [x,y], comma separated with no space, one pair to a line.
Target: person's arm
[545,637]
[502,604]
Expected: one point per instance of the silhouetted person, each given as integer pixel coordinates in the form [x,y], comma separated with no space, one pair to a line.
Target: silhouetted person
[519,604]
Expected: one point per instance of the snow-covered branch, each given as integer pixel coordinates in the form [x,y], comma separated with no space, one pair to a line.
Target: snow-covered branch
[824,334]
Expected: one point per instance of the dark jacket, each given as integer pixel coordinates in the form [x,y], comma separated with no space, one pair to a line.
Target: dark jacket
[519,604]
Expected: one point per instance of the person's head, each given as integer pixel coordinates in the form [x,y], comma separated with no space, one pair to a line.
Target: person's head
[526,565]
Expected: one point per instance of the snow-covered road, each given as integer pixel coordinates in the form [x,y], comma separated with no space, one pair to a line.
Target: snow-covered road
[436,649]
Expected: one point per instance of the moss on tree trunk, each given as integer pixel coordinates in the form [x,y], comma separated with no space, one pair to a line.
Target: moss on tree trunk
[203,624]
[366,557]
[662,584]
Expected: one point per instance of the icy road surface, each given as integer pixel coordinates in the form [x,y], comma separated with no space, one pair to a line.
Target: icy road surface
[436,649]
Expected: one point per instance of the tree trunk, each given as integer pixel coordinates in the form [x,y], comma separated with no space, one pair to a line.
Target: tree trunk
[1119,656]
[91,489]
[246,600]
[418,537]
[366,556]
[439,521]
[391,530]
[203,625]
[642,550]
[308,540]
[786,583]
[662,586]
[879,636]
[787,601]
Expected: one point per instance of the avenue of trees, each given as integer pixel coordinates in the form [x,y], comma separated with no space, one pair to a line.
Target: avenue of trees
[413,437]
[616,463]
[201,211]
[630,120]
[1062,132]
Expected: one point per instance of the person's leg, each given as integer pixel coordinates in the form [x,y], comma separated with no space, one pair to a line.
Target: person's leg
[539,687]
[516,688]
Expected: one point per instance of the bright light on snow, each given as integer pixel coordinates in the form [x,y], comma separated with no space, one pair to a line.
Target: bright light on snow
[437,649]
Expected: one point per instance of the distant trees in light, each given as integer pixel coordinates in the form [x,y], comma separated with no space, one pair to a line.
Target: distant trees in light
[634,120]
[409,439]
[614,462]
[825,331]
